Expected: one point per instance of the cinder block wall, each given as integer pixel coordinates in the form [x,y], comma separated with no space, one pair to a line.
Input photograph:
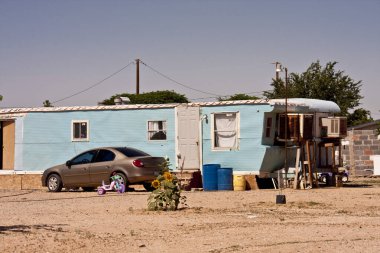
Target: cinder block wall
[20,182]
[362,144]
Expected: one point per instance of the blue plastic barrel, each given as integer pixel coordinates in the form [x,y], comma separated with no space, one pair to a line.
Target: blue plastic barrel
[225,179]
[210,177]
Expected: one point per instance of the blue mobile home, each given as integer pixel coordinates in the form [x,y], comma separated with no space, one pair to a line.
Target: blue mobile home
[243,135]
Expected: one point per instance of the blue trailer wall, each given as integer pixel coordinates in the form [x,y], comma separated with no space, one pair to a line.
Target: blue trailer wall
[44,139]
[249,156]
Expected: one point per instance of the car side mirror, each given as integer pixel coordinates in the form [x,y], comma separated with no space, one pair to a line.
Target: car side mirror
[69,163]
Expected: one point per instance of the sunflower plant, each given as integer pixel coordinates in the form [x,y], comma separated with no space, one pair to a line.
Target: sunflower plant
[167,193]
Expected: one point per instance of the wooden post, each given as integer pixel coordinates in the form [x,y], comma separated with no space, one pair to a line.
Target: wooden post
[295,182]
[315,164]
[310,161]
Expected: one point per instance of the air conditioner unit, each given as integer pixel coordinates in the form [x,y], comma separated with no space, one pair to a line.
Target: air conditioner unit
[299,127]
[334,127]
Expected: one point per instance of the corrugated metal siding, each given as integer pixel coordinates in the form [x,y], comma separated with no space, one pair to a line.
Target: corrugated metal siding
[251,152]
[47,141]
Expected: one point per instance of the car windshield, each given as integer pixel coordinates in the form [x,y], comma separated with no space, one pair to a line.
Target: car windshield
[131,152]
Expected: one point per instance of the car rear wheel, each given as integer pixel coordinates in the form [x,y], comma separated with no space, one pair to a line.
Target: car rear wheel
[148,186]
[54,183]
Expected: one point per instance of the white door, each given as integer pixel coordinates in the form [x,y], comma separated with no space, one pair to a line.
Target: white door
[188,137]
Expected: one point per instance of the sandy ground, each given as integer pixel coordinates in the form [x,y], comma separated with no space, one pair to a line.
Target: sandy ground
[343,219]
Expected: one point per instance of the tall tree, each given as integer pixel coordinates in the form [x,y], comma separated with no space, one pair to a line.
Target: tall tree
[1,97]
[239,96]
[320,83]
[154,97]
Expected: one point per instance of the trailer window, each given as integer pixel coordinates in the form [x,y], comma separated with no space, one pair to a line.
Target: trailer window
[225,131]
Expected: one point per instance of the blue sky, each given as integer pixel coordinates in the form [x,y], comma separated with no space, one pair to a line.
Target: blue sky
[51,49]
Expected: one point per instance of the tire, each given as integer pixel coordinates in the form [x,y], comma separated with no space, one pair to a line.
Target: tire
[88,189]
[344,178]
[323,179]
[54,183]
[148,186]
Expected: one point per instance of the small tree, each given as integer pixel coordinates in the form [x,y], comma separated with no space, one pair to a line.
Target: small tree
[359,116]
[239,96]
[154,97]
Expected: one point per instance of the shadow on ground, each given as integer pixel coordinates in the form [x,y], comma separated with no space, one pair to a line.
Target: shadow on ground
[28,228]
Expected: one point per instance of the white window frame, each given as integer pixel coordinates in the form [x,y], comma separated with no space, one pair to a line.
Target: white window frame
[164,129]
[87,128]
[237,129]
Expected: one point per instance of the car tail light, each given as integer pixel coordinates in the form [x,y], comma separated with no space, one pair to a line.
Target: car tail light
[138,163]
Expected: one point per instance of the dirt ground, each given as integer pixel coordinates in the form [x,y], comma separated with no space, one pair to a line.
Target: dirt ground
[327,219]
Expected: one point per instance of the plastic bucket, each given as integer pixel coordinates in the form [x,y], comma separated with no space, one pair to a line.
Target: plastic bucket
[209,177]
[225,179]
[239,183]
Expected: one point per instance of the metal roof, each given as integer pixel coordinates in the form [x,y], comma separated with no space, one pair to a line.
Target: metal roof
[294,105]
[126,107]
[374,124]
[304,105]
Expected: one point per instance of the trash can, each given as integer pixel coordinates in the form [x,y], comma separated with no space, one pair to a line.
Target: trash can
[210,177]
[225,179]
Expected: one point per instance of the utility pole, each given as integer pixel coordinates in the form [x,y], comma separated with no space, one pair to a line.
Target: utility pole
[278,69]
[286,120]
[137,76]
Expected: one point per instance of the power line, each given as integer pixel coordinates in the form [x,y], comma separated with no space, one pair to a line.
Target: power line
[92,86]
[171,79]
[156,71]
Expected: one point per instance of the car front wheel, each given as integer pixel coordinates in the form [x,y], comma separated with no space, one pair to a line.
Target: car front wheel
[54,183]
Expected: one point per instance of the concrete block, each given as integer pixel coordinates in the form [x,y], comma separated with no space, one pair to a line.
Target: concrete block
[10,182]
[20,182]
[31,182]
